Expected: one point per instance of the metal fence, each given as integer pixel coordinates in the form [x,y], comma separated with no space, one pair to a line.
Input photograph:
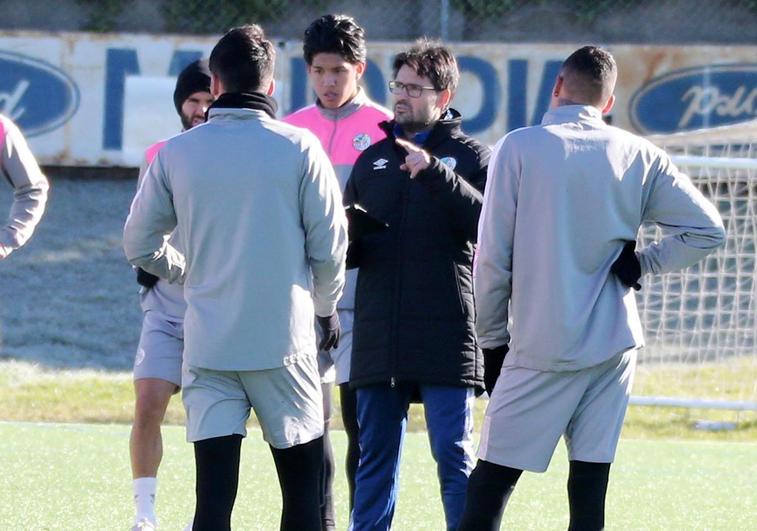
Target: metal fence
[605,21]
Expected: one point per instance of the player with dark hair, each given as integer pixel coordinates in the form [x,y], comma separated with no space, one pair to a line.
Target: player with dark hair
[346,122]
[563,205]
[30,187]
[157,365]
[257,209]
[414,337]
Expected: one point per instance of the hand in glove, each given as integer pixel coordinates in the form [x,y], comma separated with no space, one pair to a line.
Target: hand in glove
[330,331]
[493,359]
[146,279]
[627,267]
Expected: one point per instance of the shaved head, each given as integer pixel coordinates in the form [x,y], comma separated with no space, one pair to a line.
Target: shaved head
[589,76]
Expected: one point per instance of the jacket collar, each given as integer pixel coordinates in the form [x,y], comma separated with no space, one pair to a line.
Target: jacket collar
[572,113]
[345,110]
[448,126]
[247,101]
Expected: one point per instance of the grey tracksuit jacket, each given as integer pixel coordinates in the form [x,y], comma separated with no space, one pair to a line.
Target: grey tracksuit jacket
[561,198]
[259,217]
[20,169]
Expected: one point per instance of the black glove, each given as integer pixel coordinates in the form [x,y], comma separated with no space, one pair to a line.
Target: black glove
[330,331]
[627,267]
[493,359]
[146,279]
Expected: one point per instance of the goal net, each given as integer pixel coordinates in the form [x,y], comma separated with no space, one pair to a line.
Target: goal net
[700,323]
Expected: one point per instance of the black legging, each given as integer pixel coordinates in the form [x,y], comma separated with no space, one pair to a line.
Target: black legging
[587,490]
[348,399]
[328,521]
[217,476]
[217,468]
[299,470]
[490,487]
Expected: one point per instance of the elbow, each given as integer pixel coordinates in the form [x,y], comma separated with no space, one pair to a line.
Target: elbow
[134,252]
[714,238]
[720,237]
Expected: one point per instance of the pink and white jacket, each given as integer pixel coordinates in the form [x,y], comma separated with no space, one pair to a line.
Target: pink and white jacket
[344,134]
[163,297]
[20,169]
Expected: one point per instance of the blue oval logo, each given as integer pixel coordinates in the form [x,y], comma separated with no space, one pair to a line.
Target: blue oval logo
[36,95]
[694,98]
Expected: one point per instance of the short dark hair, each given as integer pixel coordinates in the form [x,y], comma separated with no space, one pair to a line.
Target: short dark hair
[433,60]
[339,34]
[590,73]
[243,59]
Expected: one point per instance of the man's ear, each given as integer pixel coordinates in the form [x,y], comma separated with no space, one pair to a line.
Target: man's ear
[360,70]
[609,105]
[271,88]
[216,87]
[444,98]
[558,86]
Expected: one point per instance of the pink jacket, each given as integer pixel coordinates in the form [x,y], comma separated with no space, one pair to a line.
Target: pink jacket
[164,297]
[30,186]
[344,134]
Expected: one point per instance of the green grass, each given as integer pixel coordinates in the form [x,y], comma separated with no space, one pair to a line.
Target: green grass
[74,476]
[28,393]
[70,476]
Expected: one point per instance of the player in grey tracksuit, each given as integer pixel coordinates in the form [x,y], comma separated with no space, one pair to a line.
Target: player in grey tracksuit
[20,169]
[258,212]
[552,278]
[157,364]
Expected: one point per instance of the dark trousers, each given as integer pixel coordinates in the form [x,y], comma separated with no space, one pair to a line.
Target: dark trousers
[382,418]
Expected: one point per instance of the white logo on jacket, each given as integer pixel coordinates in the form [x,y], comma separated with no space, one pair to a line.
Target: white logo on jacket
[380,164]
[361,142]
[450,162]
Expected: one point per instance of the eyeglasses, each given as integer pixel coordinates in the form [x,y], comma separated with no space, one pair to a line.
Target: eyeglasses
[411,89]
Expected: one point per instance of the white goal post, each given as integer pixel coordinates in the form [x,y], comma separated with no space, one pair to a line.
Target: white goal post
[701,323]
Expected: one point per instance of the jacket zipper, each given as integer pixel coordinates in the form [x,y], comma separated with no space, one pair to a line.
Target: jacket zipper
[333,134]
[398,284]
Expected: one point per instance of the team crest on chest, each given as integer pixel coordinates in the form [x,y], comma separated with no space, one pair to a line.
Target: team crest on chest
[361,142]
[450,162]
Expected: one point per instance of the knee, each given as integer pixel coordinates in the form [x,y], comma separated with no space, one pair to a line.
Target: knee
[450,448]
[151,403]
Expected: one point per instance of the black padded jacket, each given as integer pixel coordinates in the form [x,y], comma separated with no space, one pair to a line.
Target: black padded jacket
[414,312]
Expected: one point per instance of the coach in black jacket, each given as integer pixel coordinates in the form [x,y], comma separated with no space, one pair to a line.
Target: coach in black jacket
[414,321]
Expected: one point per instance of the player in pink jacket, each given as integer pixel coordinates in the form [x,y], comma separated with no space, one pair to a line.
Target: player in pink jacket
[20,169]
[157,365]
[346,122]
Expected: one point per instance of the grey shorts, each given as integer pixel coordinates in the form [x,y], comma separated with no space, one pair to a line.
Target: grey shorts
[334,365]
[160,348]
[287,402]
[530,410]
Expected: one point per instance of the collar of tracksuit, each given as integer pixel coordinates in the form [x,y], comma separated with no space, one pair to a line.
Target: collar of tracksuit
[351,107]
[572,113]
[254,101]
[442,130]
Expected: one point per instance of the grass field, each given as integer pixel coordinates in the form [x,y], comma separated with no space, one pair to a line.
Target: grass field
[76,476]
[30,393]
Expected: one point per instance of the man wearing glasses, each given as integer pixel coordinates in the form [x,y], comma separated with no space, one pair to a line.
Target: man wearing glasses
[413,336]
